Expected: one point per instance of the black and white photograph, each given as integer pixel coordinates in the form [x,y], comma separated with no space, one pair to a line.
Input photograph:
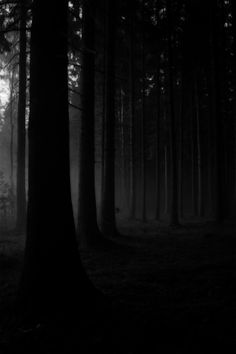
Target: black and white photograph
[117,176]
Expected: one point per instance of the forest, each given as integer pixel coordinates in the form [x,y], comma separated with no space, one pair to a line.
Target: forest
[117,176]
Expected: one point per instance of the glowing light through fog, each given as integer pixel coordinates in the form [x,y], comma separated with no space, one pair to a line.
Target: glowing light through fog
[4,95]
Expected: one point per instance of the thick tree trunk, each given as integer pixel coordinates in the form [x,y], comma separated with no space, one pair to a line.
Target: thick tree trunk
[20,174]
[89,234]
[53,282]
[108,219]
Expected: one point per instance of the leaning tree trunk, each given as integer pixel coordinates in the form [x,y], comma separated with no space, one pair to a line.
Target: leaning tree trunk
[108,219]
[89,234]
[20,174]
[53,282]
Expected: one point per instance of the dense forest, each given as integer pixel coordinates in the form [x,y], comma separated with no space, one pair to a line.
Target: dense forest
[117,176]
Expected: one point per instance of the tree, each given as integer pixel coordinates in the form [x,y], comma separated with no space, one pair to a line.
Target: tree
[158,146]
[53,282]
[174,220]
[108,219]
[143,125]
[89,233]
[131,10]
[20,190]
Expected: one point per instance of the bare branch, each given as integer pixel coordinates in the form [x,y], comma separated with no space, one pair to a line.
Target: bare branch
[76,107]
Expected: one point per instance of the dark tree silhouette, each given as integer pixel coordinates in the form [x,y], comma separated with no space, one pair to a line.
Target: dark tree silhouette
[131,10]
[108,219]
[53,282]
[89,234]
[20,188]
[143,122]
[174,218]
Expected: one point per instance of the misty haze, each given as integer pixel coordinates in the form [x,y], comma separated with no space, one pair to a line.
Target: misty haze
[117,176]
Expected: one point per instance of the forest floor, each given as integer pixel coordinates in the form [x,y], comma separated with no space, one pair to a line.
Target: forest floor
[173,291]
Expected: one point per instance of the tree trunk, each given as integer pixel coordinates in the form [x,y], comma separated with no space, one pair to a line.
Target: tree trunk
[199,149]
[53,282]
[20,174]
[103,113]
[12,132]
[132,110]
[143,129]
[158,149]
[108,219]
[194,158]
[122,150]
[88,231]
[217,110]
[166,181]
[181,148]
[174,220]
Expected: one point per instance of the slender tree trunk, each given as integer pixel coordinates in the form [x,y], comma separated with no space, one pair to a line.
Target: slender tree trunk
[89,234]
[174,219]
[108,219]
[12,133]
[166,195]
[199,149]
[158,150]
[211,144]
[181,149]
[194,158]
[166,173]
[103,110]
[217,110]
[143,129]
[53,283]
[132,111]
[20,175]
[122,145]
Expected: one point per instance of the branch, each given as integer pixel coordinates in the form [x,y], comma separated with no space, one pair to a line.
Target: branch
[9,62]
[76,107]
[76,92]
[17,29]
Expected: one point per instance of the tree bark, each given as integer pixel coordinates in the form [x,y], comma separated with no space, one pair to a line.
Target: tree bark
[12,131]
[199,150]
[158,149]
[108,219]
[89,234]
[53,283]
[143,127]
[220,207]
[132,109]
[174,220]
[21,134]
